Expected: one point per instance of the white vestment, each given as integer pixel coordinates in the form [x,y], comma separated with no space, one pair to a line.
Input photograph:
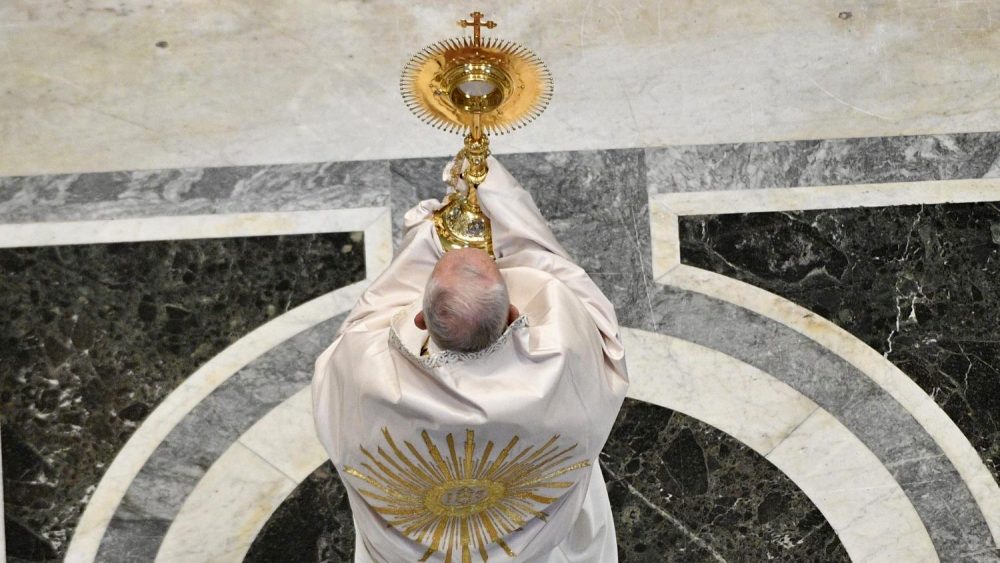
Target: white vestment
[459,457]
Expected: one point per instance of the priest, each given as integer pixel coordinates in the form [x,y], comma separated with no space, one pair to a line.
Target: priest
[465,400]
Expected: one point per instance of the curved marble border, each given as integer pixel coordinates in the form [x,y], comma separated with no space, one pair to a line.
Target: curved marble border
[863,503]
[179,462]
[931,419]
[664,212]
[103,504]
[947,508]
[241,490]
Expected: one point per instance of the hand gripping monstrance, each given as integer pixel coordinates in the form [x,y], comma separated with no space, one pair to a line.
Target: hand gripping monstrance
[477,88]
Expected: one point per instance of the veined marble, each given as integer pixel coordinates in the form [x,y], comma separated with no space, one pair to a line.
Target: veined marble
[234,496]
[865,505]
[597,204]
[183,268]
[179,462]
[314,520]
[186,227]
[3,535]
[666,208]
[826,162]
[95,337]
[133,457]
[920,280]
[133,85]
[194,191]
[863,502]
[284,439]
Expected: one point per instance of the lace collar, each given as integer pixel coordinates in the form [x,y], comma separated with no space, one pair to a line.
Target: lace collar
[445,357]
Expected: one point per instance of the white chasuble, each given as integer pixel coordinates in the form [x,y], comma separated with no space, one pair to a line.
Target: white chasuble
[484,456]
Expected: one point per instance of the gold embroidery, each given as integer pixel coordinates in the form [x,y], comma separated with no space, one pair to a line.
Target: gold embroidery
[458,504]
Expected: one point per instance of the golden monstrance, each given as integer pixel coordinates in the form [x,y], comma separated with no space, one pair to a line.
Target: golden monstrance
[475,87]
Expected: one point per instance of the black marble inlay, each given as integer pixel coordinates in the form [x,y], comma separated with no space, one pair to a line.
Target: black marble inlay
[93,337]
[312,524]
[672,478]
[919,284]
[158,492]
[680,491]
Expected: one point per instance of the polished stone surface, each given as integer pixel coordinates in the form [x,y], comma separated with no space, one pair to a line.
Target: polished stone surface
[95,336]
[828,162]
[193,191]
[312,524]
[680,491]
[673,479]
[936,490]
[919,284]
[596,203]
[163,484]
[130,84]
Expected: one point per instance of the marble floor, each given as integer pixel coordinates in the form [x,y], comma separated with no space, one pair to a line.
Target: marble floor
[794,207]
[808,327]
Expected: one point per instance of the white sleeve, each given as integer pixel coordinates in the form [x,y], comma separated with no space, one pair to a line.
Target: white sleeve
[404,280]
[521,237]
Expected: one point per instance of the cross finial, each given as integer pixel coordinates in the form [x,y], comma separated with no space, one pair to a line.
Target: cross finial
[476,23]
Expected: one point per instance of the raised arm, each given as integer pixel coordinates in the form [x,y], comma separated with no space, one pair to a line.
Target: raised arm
[403,281]
[521,237]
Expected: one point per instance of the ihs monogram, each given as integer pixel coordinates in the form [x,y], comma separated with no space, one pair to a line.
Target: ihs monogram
[463,503]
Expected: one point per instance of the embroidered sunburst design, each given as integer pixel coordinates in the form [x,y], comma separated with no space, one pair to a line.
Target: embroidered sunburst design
[463,502]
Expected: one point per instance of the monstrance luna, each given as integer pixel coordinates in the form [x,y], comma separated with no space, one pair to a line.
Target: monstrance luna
[475,87]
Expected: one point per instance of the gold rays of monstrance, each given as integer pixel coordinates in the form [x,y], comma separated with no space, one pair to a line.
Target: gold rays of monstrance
[476,87]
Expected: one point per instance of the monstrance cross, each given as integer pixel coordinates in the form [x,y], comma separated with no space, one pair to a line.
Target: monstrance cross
[476,23]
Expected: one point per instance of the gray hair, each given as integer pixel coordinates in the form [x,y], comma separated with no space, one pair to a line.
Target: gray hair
[468,315]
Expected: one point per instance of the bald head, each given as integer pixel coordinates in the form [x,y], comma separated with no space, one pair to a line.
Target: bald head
[466,306]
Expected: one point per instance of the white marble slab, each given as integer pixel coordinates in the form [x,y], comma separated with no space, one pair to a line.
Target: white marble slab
[706,384]
[289,427]
[126,465]
[858,496]
[285,440]
[666,207]
[185,227]
[87,88]
[217,521]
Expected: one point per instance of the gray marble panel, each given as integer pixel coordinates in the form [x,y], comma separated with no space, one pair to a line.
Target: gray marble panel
[950,514]
[133,540]
[159,490]
[193,191]
[594,201]
[831,162]
[411,181]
